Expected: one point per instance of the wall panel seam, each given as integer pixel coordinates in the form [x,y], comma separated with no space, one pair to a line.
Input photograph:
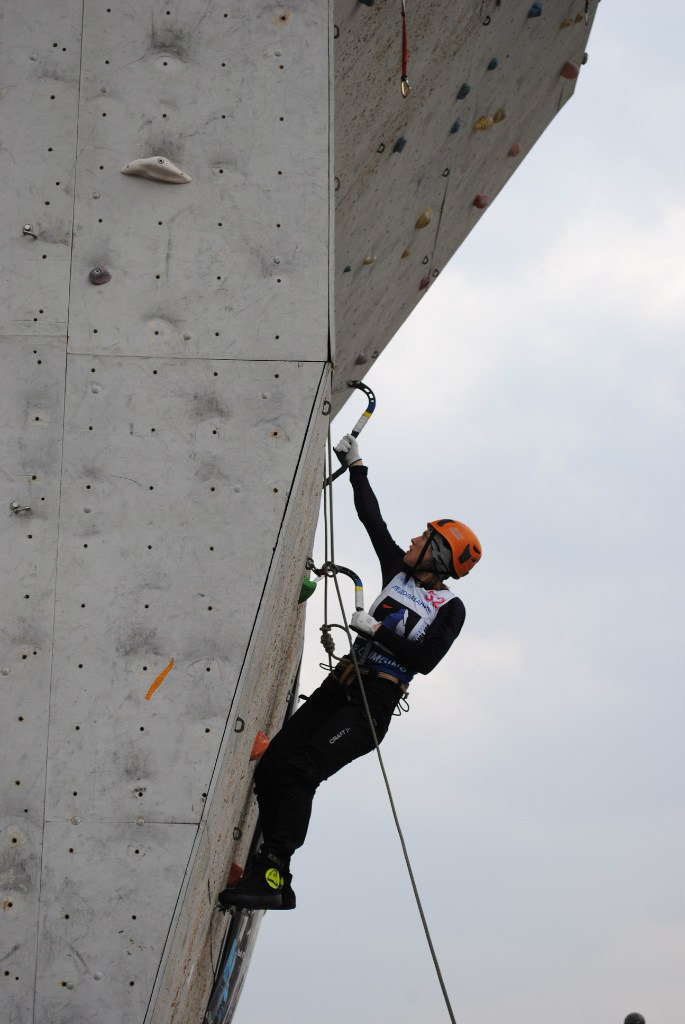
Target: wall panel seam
[57,532]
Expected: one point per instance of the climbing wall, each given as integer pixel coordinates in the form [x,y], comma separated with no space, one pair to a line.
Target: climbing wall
[414,175]
[162,402]
[166,352]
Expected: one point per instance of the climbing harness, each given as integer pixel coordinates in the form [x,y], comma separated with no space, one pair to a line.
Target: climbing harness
[330,570]
[405,87]
[359,425]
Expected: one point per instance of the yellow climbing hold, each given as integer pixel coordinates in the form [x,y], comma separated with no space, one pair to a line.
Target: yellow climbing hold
[566,23]
[499,115]
[425,218]
[368,260]
[483,123]
[407,252]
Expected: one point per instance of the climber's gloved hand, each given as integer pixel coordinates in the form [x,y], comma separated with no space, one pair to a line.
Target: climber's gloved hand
[364,623]
[347,450]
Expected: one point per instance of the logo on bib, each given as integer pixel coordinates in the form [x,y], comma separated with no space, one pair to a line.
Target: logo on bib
[273,878]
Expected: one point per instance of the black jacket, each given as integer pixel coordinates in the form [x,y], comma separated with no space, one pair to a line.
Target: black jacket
[417,656]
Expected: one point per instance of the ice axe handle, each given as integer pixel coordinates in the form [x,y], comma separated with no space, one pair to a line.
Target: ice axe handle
[358,586]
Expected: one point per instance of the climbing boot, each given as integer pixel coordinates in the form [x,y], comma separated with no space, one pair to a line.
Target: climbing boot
[261,887]
[288,900]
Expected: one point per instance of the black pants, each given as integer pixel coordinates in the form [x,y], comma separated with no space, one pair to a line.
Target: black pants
[327,732]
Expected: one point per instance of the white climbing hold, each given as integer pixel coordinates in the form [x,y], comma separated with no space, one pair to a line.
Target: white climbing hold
[157,168]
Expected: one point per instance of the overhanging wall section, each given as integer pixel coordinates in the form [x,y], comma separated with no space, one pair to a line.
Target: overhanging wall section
[162,453]
[486,80]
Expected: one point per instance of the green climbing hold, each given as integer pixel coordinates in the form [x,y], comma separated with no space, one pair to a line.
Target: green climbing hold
[307,589]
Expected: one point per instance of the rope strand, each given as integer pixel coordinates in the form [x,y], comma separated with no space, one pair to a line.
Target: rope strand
[424,922]
[327,514]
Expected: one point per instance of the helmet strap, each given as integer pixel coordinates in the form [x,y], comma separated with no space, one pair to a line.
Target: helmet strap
[417,568]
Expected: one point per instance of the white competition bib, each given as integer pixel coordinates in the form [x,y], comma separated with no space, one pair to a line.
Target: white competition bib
[406,608]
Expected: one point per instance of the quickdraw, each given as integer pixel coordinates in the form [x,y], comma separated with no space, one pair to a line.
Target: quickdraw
[331,569]
[359,425]
[405,87]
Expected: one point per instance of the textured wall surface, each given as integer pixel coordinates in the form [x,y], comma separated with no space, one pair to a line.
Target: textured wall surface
[164,370]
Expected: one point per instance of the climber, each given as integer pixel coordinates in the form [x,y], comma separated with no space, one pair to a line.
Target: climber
[408,629]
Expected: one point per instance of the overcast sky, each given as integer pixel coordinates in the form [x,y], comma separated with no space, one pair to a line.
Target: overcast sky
[539,775]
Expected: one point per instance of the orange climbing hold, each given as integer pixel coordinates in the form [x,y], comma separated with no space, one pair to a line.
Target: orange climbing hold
[570,70]
[160,679]
[261,742]
[234,875]
[481,201]
[515,149]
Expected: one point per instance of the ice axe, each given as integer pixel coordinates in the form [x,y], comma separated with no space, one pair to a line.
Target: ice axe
[360,424]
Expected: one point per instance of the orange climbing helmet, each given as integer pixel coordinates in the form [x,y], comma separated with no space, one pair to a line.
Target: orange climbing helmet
[455,548]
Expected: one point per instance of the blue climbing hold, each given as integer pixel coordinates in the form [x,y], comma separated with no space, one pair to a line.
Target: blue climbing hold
[464,91]
[535,11]
[399,145]
[494,63]
[455,127]
[348,269]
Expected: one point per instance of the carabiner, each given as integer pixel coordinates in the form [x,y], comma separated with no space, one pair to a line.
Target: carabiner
[332,569]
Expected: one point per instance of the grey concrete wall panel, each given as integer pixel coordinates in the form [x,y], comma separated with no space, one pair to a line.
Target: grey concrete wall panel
[39,55]
[176,475]
[112,890]
[186,976]
[381,192]
[31,402]
[236,96]
[173,523]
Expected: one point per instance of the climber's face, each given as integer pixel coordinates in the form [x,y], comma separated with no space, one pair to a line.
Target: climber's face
[413,553]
